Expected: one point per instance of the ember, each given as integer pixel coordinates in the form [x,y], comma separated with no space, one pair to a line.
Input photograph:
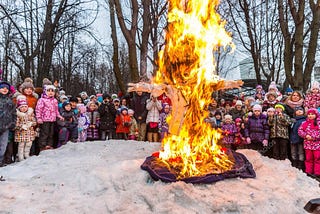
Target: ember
[186,74]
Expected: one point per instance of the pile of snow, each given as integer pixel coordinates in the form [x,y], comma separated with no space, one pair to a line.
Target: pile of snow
[105,177]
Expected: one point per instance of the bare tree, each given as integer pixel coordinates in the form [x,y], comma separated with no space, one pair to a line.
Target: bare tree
[301,40]
[254,24]
[130,35]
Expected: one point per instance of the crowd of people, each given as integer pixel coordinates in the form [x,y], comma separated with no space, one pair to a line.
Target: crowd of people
[277,125]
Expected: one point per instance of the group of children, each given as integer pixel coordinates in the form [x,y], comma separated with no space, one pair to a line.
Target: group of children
[276,125]
[48,119]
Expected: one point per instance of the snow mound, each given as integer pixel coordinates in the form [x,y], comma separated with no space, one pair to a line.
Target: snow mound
[105,177]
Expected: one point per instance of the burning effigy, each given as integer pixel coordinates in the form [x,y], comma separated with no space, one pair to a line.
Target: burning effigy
[191,152]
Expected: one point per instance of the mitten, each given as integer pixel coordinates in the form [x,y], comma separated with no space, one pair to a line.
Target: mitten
[248,140]
[265,142]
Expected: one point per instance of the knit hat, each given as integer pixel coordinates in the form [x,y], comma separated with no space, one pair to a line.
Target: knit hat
[83,93]
[259,87]
[63,98]
[238,120]
[82,108]
[114,96]
[4,84]
[289,90]
[123,109]
[257,107]
[239,103]
[65,103]
[21,103]
[116,100]
[130,111]
[28,83]
[279,105]
[312,111]
[315,84]
[271,109]
[274,94]
[46,81]
[298,108]
[273,86]
[62,92]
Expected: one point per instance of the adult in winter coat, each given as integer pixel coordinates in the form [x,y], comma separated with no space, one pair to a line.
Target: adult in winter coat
[138,105]
[8,117]
[107,113]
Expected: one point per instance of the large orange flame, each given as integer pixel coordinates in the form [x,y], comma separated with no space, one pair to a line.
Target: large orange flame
[194,31]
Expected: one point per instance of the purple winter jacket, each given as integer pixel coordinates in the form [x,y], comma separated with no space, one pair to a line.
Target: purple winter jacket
[257,128]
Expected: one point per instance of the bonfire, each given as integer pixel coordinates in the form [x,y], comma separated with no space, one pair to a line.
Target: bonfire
[187,75]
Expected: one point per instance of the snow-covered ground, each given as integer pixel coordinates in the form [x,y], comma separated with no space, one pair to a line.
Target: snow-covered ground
[105,177]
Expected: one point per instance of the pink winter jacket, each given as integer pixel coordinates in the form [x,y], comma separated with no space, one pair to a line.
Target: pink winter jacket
[308,128]
[47,110]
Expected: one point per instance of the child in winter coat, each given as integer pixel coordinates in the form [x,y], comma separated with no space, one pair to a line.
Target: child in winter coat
[25,129]
[94,117]
[123,121]
[163,125]
[8,117]
[229,131]
[257,129]
[83,122]
[154,107]
[68,128]
[296,142]
[240,140]
[279,132]
[133,131]
[309,131]
[47,113]
[312,97]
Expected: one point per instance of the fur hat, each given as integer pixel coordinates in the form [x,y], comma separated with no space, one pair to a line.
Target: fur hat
[315,85]
[21,103]
[227,116]
[312,111]
[257,107]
